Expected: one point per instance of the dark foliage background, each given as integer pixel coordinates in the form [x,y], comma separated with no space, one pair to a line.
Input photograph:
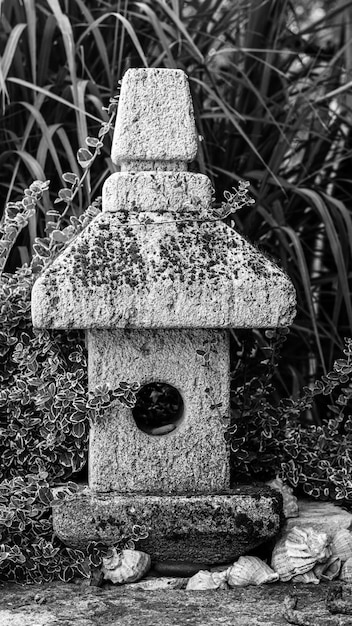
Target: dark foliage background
[270,81]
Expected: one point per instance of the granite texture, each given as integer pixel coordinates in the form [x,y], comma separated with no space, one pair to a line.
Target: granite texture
[121,273]
[207,529]
[60,604]
[159,192]
[155,117]
[193,457]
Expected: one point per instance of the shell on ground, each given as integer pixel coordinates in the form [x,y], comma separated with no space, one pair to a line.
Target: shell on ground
[329,570]
[341,544]
[126,566]
[346,571]
[204,580]
[162,582]
[290,502]
[250,570]
[298,551]
[307,577]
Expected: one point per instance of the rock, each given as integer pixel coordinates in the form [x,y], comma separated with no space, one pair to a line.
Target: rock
[212,529]
[125,605]
[322,516]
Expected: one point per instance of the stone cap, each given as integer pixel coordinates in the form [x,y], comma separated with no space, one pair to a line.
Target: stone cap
[161,270]
[155,120]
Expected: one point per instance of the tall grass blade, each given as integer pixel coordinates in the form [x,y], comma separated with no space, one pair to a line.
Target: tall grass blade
[99,40]
[7,58]
[316,202]
[53,96]
[29,6]
[129,28]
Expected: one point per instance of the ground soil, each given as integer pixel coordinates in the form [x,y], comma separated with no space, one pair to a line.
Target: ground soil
[59,604]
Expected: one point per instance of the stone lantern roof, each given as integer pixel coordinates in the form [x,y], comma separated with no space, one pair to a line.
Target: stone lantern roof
[155,257]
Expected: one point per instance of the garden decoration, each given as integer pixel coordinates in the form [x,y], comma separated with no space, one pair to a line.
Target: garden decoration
[157,279]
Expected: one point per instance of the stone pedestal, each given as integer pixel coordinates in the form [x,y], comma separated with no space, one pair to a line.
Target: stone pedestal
[210,528]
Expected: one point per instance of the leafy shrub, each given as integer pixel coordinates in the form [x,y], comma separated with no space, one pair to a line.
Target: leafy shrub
[44,405]
[29,552]
[268,437]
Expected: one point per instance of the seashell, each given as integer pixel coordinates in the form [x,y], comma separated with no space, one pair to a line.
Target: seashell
[290,502]
[298,551]
[126,566]
[329,570]
[207,580]
[341,544]
[162,582]
[220,579]
[250,570]
[346,571]
[307,577]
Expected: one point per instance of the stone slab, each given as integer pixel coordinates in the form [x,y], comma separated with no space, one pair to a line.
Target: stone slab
[155,120]
[192,458]
[323,516]
[163,273]
[213,529]
[158,192]
[67,604]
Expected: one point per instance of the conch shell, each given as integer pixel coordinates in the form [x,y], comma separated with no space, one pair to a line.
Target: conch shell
[290,502]
[341,544]
[346,571]
[207,580]
[298,551]
[250,570]
[126,566]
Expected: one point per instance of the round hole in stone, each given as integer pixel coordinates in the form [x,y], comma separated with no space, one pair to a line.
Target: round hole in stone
[159,408]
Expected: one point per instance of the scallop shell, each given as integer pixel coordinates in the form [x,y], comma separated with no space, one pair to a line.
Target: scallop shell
[346,571]
[307,577]
[207,580]
[341,544]
[298,551]
[250,570]
[126,566]
[290,502]
[329,570]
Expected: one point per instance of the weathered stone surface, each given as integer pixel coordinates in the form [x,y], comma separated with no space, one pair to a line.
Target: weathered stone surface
[159,192]
[322,516]
[68,604]
[213,529]
[155,117]
[194,457]
[120,273]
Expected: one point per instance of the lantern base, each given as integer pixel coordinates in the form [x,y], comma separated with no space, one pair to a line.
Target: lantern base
[203,528]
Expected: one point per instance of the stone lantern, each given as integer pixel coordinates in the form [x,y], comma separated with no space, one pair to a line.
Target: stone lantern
[157,283]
